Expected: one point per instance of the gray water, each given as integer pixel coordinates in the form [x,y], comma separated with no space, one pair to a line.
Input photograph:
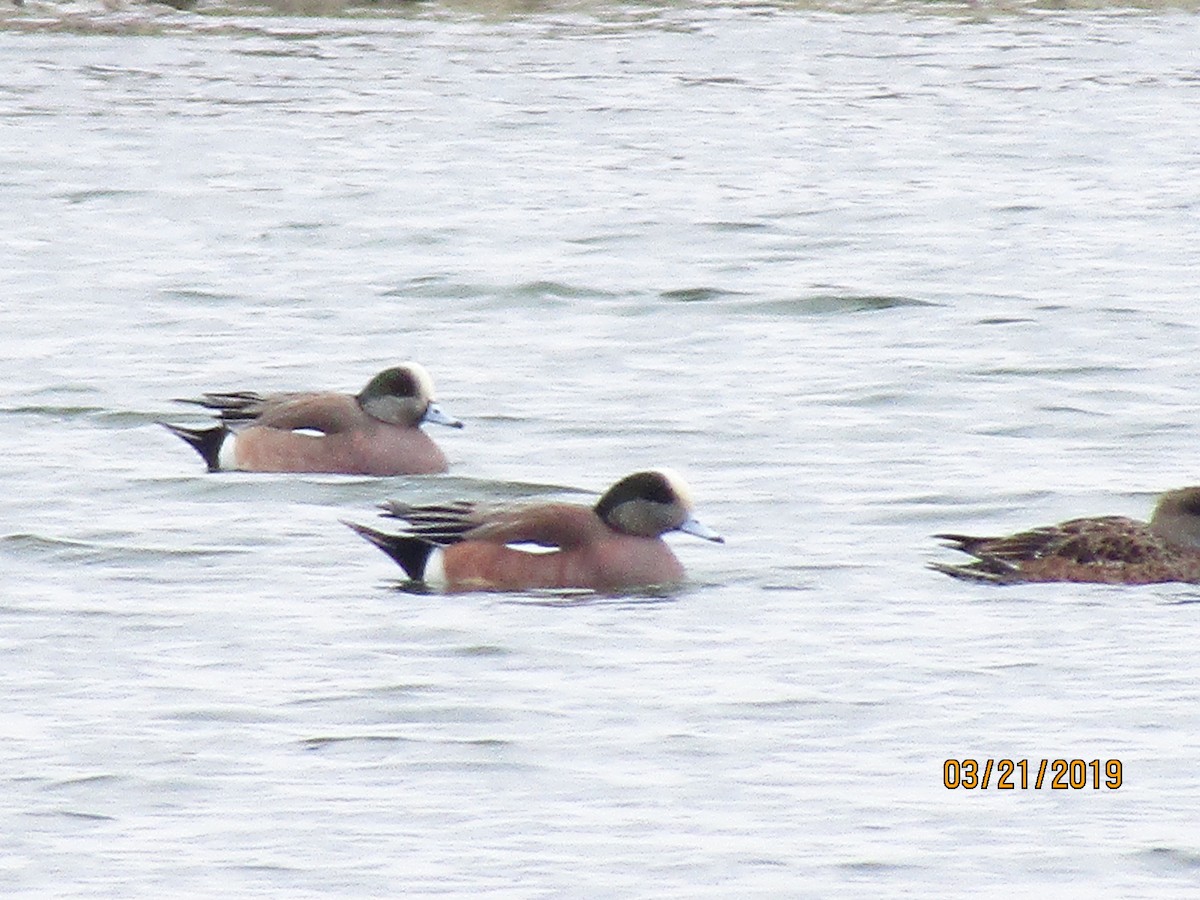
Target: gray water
[861,275]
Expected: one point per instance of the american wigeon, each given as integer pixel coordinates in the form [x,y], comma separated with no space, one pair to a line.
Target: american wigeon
[374,432]
[615,545]
[1108,549]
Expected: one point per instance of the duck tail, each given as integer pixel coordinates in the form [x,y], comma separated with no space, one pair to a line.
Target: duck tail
[410,553]
[963,542]
[983,571]
[205,441]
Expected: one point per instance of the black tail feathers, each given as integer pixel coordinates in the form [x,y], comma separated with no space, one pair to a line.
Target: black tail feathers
[205,441]
[410,553]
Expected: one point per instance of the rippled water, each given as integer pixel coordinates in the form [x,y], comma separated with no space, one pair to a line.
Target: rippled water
[861,275]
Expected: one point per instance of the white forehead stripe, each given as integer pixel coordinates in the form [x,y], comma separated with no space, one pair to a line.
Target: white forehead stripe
[678,485]
[423,378]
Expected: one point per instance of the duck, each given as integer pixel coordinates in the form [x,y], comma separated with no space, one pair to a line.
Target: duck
[615,545]
[1100,549]
[374,432]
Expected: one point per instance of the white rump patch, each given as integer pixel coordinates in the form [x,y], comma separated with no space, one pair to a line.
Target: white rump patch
[435,570]
[227,455]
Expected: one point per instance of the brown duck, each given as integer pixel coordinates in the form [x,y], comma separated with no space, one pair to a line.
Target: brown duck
[1103,549]
[613,546]
[374,432]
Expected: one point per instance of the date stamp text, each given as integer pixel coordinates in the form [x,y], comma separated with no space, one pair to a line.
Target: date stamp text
[1023,774]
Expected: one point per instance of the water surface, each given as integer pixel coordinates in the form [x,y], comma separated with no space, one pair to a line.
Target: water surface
[861,275]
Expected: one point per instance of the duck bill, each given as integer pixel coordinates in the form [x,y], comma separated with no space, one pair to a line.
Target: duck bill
[434,415]
[699,529]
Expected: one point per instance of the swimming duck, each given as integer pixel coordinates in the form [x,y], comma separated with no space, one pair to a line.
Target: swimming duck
[1108,549]
[615,545]
[374,432]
